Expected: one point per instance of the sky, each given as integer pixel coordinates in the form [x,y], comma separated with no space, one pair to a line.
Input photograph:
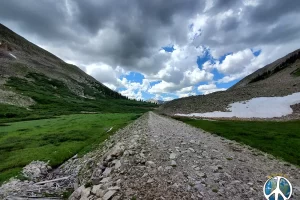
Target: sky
[160,49]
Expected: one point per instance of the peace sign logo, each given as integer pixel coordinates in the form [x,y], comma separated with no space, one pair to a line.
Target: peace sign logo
[278,188]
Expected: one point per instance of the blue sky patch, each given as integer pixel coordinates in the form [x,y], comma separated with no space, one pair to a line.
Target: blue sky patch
[168,48]
[134,77]
[256,53]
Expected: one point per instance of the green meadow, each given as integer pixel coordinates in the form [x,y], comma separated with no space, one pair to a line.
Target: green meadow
[55,139]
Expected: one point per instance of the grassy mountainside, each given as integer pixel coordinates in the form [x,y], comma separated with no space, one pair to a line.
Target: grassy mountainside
[279,78]
[35,83]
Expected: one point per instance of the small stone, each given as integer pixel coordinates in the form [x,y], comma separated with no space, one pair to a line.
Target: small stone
[197,168]
[96,180]
[105,180]
[118,182]
[191,150]
[160,168]
[114,188]
[201,174]
[173,163]
[77,193]
[151,164]
[116,197]
[95,188]
[100,193]
[118,164]
[235,182]
[85,193]
[172,156]
[150,180]
[107,172]
[109,194]
[214,168]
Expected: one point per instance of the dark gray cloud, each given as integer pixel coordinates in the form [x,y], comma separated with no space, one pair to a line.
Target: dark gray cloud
[140,27]
[237,25]
[270,11]
[129,32]
[46,19]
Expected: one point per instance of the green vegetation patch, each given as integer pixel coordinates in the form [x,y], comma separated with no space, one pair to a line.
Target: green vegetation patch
[281,139]
[55,139]
[296,72]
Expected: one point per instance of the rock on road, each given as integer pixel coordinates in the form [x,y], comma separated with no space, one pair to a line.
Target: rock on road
[166,159]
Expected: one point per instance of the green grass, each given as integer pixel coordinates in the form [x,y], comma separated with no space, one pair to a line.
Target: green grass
[55,139]
[296,72]
[281,139]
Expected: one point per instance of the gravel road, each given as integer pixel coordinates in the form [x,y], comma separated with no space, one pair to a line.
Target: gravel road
[157,157]
[167,159]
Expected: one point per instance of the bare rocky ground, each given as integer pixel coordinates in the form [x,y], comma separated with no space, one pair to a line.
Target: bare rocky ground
[160,158]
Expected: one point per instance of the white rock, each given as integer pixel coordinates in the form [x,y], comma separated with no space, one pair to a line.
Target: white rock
[173,163]
[109,194]
[85,193]
[150,180]
[151,164]
[105,180]
[107,172]
[77,193]
[95,188]
[172,156]
[200,174]
[100,193]
[214,168]
[118,164]
[114,188]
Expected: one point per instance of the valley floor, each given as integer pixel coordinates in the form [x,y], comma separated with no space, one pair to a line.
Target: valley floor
[156,157]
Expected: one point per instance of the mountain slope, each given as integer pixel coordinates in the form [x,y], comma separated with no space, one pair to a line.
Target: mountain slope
[279,78]
[35,79]
[270,70]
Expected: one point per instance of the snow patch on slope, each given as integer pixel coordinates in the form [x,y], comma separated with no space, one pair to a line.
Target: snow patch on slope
[261,107]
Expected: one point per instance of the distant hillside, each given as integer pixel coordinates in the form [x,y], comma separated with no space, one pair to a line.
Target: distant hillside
[33,81]
[279,78]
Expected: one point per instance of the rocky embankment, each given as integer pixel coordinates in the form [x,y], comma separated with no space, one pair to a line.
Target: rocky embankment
[160,158]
